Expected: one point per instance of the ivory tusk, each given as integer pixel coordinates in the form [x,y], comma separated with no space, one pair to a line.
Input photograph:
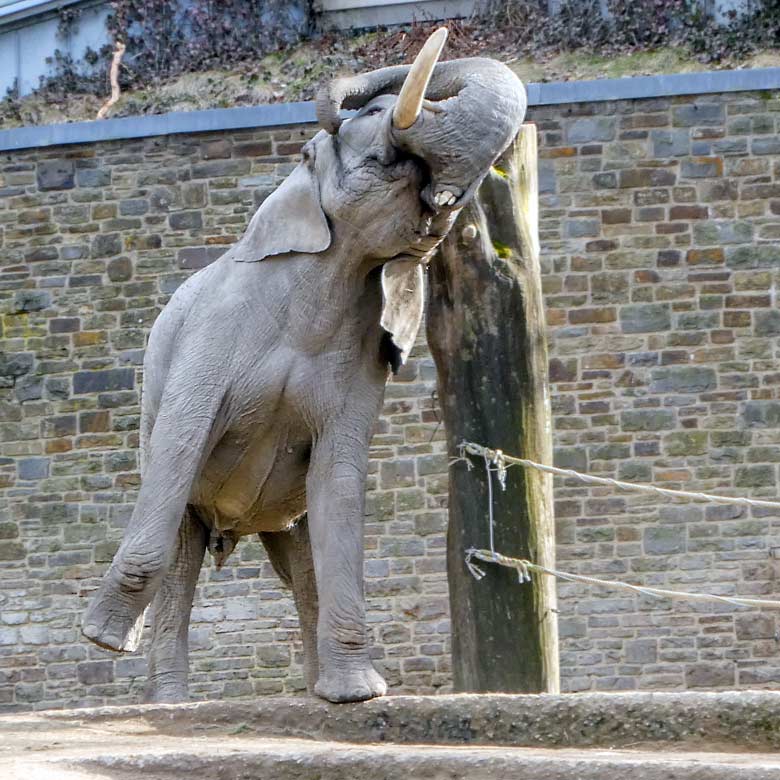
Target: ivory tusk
[410,99]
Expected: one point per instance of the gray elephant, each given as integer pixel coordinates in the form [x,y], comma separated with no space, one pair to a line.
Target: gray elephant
[265,373]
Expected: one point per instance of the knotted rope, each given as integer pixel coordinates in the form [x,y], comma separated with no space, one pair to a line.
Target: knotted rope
[497,462]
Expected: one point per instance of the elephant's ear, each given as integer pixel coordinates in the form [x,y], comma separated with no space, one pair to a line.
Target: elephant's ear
[290,219]
[403,291]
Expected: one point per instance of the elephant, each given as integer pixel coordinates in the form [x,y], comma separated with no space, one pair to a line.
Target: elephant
[265,373]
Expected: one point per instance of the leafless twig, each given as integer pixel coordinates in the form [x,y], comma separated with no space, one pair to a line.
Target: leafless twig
[114,78]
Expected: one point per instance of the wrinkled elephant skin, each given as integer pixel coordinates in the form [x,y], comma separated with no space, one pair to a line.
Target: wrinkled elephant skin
[265,373]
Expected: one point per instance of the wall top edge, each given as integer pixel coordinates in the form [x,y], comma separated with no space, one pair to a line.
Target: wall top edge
[285,114]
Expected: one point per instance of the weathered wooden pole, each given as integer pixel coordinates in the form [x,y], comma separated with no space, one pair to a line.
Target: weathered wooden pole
[486,330]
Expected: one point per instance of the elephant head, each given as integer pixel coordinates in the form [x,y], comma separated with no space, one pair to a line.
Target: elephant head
[457,116]
[388,182]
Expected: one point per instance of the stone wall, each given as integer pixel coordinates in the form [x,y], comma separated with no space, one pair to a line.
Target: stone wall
[660,223]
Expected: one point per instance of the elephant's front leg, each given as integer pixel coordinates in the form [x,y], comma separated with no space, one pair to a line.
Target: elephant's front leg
[179,438]
[336,501]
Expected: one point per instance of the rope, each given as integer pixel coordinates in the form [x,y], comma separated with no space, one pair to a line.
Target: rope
[501,460]
[523,568]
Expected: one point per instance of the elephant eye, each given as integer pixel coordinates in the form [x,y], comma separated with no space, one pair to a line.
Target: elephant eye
[374,110]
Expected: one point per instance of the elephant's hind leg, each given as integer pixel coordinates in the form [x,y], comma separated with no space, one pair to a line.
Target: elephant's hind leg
[290,555]
[168,655]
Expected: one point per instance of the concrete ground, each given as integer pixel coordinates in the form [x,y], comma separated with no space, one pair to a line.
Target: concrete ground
[651,736]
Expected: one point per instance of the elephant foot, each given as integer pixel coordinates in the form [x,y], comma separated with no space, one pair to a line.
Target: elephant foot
[355,684]
[166,693]
[112,624]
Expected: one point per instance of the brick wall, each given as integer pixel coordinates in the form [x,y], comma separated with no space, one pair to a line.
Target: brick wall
[660,221]
[660,229]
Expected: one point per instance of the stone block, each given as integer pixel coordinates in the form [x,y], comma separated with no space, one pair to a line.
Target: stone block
[31,300]
[588,129]
[130,667]
[94,422]
[698,320]
[216,150]
[432,464]
[670,143]
[273,656]
[120,269]
[664,540]
[719,233]
[647,420]
[686,213]
[698,114]
[646,177]
[645,317]
[105,245]
[430,523]
[767,323]
[193,194]
[641,651]
[760,256]
[102,381]
[685,443]
[572,628]
[11,551]
[133,207]
[581,228]
[32,468]
[762,414]
[64,325]
[28,388]
[604,181]
[34,634]
[701,168]
[15,364]
[769,145]
[755,626]
[93,177]
[8,530]
[563,370]
[683,379]
[635,471]
[214,169]
[756,476]
[571,458]
[186,220]
[95,672]
[613,451]
[397,474]
[199,256]
[710,674]
[55,175]
[29,693]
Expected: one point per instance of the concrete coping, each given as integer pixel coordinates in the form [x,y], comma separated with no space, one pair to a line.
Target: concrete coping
[724,720]
[285,114]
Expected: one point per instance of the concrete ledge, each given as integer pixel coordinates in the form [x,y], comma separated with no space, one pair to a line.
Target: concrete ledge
[283,114]
[640,87]
[653,736]
[745,719]
[272,115]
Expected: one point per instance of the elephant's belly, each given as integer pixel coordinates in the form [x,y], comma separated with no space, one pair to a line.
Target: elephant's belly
[259,488]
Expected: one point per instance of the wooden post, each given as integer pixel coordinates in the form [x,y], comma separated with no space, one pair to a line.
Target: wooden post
[486,330]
